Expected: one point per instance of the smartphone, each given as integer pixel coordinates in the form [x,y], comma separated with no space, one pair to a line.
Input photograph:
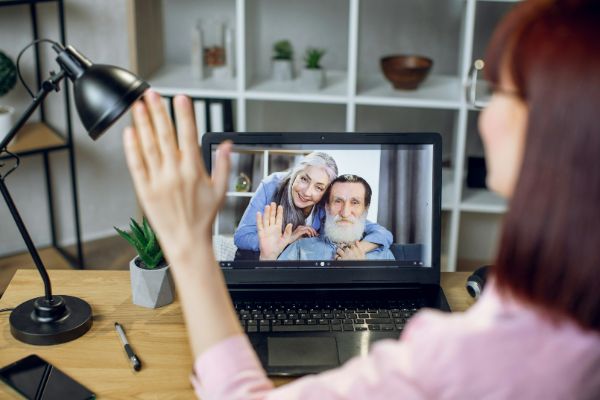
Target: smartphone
[36,379]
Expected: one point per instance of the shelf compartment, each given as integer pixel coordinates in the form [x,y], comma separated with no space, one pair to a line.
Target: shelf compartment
[488,15]
[284,116]
[427,27]
[437,91]
[478,239]
[230,215]
[34,137]
[372,118]
[307,23]
[335,90]
[483,201]
[174,79]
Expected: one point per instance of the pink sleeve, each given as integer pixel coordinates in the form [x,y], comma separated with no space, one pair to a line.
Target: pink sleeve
[231,370]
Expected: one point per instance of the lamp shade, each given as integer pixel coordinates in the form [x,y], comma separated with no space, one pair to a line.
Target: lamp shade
[103,93]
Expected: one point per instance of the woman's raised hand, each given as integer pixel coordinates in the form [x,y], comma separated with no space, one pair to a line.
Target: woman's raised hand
[270,237]
[178,196]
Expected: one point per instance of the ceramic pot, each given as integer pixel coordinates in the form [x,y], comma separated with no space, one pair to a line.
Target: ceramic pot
[313,79]
[6,121]
[283,70]
[150,288]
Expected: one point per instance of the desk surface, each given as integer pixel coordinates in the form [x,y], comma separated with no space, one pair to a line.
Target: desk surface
[158,336]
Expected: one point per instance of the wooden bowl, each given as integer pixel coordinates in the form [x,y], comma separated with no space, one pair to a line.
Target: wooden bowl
[406,71]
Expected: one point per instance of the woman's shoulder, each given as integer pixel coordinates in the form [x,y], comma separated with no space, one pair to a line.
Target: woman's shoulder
[495,335]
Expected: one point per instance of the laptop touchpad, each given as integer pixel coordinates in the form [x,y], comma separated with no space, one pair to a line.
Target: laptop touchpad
[302,351]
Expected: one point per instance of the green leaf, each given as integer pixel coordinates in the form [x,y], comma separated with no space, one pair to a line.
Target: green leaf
[137,230]
[145,242]
[312,58]
[283,50]
[134,243]
[146,228]
[150,235]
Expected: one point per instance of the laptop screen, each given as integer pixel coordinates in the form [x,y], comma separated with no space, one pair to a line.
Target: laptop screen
[350,205]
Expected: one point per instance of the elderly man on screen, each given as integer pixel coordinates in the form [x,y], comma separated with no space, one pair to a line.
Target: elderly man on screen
[347,204]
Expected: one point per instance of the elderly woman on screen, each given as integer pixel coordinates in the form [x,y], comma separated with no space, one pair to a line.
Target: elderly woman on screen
[299,192]
[534,333]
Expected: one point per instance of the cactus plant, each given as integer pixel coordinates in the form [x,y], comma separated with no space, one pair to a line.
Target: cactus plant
[8,74]
[144,240]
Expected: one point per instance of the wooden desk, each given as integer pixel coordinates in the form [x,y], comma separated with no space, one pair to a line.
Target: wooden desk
[98,360]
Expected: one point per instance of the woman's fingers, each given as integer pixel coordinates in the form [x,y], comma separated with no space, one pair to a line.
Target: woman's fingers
[266,216]
[145,131]
[186,130]
[162,125]
[279,216]
[273,213]
[221,171]
[135,159]
[287,233]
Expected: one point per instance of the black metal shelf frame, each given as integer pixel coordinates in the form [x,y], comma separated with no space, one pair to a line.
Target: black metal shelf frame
[76,260]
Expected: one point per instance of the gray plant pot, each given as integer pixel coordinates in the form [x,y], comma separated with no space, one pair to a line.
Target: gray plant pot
[283,70]
[313,79]
[151,288]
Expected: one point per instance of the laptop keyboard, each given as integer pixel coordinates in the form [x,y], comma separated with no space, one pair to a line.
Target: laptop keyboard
[350,316]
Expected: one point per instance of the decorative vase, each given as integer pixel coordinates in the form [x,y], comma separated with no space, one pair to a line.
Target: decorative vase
[313,78]
[283,70]
[151,288]
[6,121]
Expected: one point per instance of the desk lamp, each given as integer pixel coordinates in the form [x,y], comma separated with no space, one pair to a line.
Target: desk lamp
[102,94]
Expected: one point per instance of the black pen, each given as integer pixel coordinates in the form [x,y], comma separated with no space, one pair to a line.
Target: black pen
[135,361]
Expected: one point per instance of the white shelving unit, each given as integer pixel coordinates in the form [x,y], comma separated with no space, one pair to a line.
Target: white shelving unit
[357,97]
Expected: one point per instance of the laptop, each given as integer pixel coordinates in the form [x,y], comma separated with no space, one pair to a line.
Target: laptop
[314,312]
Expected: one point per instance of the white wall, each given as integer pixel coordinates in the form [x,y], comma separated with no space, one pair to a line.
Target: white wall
[99,30]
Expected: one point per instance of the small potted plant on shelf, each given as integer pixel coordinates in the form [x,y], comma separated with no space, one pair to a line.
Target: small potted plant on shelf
[8,79]
[151,281]
[313,74]
[283,54]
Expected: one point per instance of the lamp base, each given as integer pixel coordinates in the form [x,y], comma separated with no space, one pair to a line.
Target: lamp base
[42,322]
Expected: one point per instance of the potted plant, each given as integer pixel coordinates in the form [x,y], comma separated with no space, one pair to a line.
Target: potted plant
[8,79]
[313,75]
[283,54]
[151,281]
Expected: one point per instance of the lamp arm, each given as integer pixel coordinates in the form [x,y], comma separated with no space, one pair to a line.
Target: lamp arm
[30,246]
[47,86]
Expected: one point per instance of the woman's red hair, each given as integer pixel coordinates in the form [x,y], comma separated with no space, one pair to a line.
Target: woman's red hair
[549,253]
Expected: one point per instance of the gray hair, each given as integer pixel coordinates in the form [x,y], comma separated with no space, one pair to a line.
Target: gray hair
[283,195]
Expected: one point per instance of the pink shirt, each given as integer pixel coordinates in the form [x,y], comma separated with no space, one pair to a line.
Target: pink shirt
[498,349]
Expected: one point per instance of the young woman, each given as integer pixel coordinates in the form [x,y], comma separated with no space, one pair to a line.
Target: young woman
[535,332]
[299,192]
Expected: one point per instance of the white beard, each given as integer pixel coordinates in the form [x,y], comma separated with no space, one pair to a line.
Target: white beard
[346,233]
